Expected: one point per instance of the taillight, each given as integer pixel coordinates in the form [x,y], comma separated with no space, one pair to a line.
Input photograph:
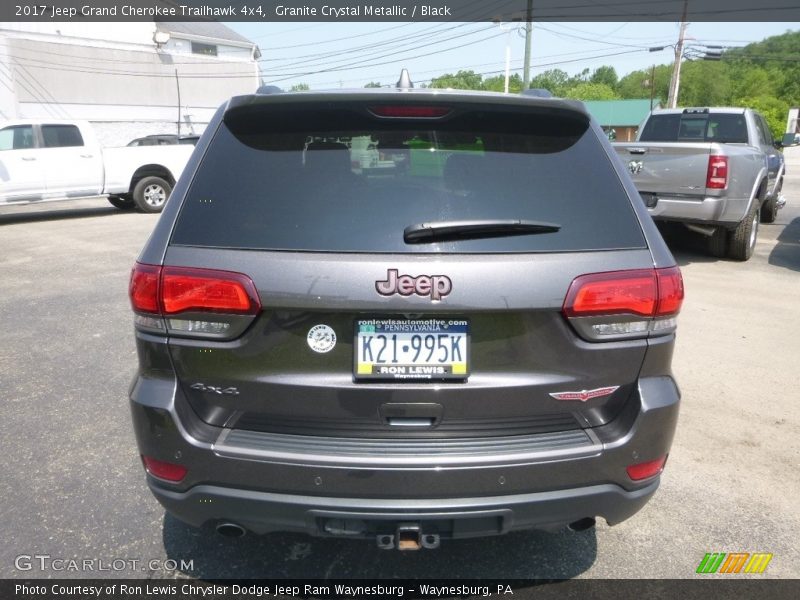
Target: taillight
[670,291]
[717,175]
[615,292]
[143,288]
[645,470]
[180,299]
[184,289]
[624,304]
[164,470]
[410,111]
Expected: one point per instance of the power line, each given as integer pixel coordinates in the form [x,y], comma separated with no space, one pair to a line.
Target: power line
[347,66]
[392,53]
[400,40]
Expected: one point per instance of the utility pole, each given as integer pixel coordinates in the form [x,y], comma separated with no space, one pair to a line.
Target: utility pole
[675,81]
[178,85]
[526,72]
[652,85]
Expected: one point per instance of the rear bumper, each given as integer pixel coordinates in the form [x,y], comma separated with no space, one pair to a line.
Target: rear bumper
[267,482]
[708,210]
[262,512]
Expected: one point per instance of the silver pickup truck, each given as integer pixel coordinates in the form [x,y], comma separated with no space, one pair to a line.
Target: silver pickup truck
[716,170]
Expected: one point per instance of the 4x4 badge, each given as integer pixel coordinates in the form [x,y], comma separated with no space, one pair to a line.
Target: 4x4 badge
[585,395]
[435,286]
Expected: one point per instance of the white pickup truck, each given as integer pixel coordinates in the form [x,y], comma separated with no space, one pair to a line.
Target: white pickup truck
[62,160]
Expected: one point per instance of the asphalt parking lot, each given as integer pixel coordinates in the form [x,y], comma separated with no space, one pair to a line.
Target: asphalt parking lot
[74,488]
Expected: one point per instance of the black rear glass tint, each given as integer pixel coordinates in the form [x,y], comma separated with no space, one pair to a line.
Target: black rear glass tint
[695,127]
[341,180]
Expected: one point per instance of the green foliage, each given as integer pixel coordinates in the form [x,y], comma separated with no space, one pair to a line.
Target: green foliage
[774,110]
[299,87]
[764,76]
[637,83]
[373,84]
[498,82]
[463,80]
[606,76]
[591,91]
[704,84]
[554,80]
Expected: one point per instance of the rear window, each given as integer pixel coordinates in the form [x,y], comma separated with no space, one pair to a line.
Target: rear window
[695,127]
[342,180]
[61,136]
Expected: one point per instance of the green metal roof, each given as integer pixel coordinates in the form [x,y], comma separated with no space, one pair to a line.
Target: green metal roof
[620,113]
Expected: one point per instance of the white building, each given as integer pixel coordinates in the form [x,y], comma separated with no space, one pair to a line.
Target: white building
[128,79]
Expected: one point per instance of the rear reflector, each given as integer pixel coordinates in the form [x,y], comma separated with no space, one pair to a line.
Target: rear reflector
[717,175]
[164,470]
[410,111]
[644,470]
[172,290]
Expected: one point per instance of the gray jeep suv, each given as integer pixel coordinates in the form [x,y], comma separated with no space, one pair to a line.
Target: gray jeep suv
[403,314]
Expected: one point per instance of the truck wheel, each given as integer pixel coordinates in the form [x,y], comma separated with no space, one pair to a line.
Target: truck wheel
[718,243]
[121,202]
[769,210]
[743,239]
[150,194]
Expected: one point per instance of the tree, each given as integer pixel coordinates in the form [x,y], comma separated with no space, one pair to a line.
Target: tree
[704,84]
[773,109]
[554,80]
[591,91]
[498,83]
[299,87]
[463,80]
[751,82]
[637,83]
[606,75]
[373,84]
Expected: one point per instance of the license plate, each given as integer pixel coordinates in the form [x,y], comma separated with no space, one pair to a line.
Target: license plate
[413,349]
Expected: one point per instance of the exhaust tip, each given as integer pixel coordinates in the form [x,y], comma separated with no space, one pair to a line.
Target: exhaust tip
[582,524]
[230,530]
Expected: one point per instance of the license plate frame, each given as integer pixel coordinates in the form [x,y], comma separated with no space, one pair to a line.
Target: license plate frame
[396,356]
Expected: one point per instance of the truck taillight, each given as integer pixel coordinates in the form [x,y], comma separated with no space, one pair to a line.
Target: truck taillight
[182,300]
[717,175]
[624,304]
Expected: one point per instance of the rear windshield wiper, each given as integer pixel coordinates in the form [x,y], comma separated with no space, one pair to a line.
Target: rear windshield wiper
[439,231]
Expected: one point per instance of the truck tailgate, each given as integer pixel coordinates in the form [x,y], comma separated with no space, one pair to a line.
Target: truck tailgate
[676,168]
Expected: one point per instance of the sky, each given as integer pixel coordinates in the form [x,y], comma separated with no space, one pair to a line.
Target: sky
[334,55]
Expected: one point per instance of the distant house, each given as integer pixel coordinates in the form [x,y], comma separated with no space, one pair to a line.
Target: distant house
[128,79]
[623,117]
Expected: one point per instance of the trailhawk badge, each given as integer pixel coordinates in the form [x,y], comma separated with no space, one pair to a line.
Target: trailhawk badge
[434,286]
[585,395]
